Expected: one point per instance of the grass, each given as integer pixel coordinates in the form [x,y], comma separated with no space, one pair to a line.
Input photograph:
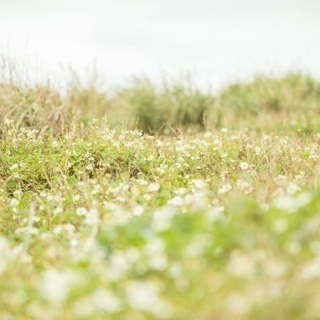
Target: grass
[174,204]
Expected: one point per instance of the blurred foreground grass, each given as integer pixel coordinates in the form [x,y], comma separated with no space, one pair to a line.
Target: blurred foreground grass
[174,204]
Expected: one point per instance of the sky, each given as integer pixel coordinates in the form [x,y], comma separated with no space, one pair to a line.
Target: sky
[216,41]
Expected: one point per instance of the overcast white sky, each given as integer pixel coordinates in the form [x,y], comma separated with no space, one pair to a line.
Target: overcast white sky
[217,40]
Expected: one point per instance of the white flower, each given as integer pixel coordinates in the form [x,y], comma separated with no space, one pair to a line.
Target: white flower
[240,265]
[244,166]
[292,204]
[225,188]
[242,185]
[158,262]
[13,202]
[216,214]
[311,270]
[15,166]
[281,225]
[106,300]
[176,201]
[153,187]
[92,217]
[138,210]
[145,296]
[236,303]
[199,184]
[55,285]
[257,151]
[162,218]
[292,188]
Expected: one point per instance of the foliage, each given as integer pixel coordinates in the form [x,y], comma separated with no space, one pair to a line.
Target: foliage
[111,223]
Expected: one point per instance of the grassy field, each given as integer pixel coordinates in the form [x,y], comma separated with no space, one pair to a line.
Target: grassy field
[163,202]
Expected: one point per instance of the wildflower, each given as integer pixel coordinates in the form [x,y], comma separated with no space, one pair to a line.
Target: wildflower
[240,265]
[106,301]
[216,213]
[311,270]
[176,201]
[153,187]
[257,151]
[244,166]
[81,211]
[138,210]
[199,184]
[224,188]
[158,262]
[292,188]
[237,304]
[92,217]
[145,296]
[281,226]
[13,202]
[55,285]
[162,218]
[242,185]
[57,210]
[14,166]
[292,204]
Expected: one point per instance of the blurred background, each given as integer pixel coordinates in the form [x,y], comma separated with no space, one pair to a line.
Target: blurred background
[214,41]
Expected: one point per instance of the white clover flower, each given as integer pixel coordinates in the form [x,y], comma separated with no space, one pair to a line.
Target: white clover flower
[92,217]
[89,167]
[281,225]
[106,301]
[76,197]
[197,246]
[199,184]
[57,210]
[224,188]
[154,246]
[159,143]
[69,228]
[13,202]
[158,262]
[275,269]
[180,191]
[55,285]
[153,187]
[14,166]
[311,270]
[138,210]
[236,303]
[145,296]
[162,218]
[244,166]
[177,201]
[57,230]
[292,204]
[175,270]
[294,247]
[216,213]
[8,122]
[118,265]
[292,188]
[196,200]
[257,151]
[240,265]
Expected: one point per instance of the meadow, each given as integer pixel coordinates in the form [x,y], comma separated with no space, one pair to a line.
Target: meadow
[148,202]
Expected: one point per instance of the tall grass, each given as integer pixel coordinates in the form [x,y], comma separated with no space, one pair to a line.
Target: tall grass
[287,103]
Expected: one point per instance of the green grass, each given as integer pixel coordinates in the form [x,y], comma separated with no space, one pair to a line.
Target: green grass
[174,204]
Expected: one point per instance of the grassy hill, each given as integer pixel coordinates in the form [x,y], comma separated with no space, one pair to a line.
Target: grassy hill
[151,202]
